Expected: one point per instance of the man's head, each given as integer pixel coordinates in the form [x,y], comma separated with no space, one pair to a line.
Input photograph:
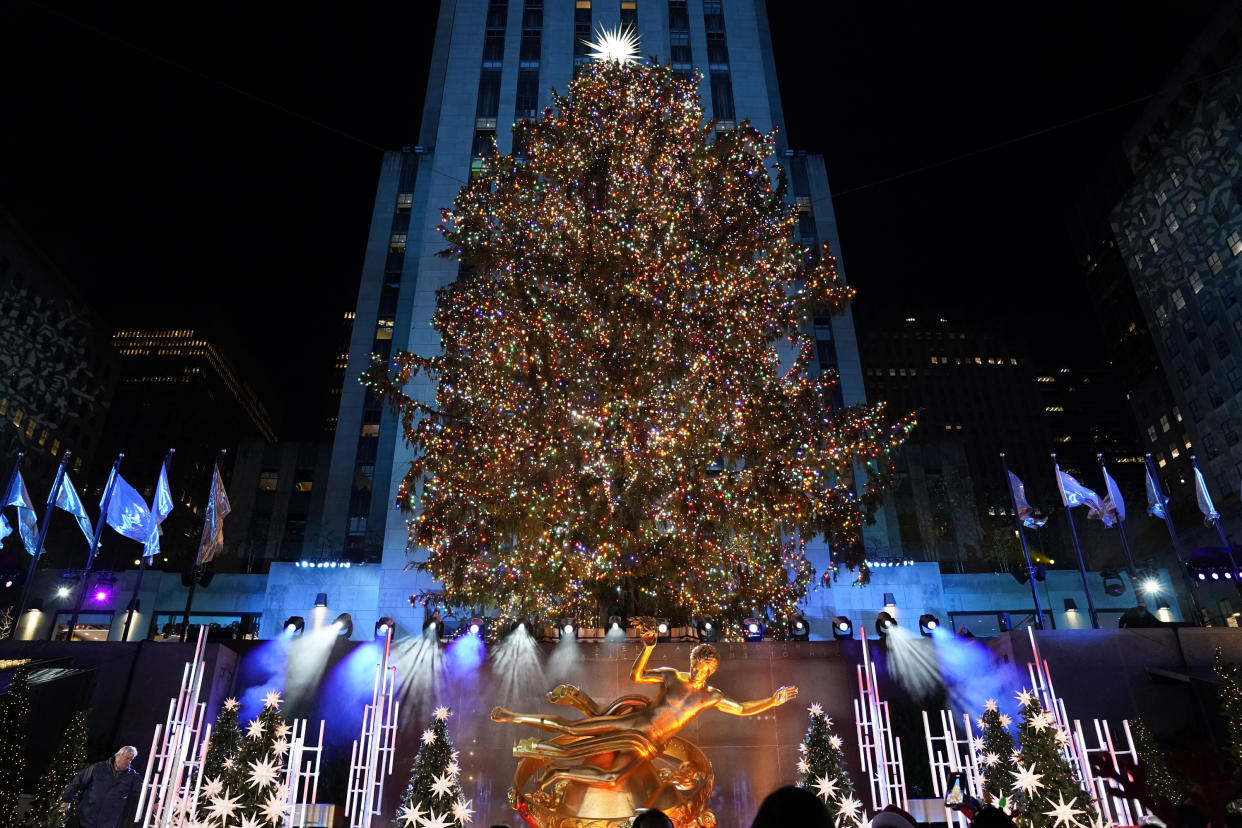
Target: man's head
[123,757]
[703,662]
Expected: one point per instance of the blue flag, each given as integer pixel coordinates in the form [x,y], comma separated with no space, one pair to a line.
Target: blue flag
[5,529]
[27,522]
[162,503]
[1025,513]
[129,516]
[67,499]
[1155,500]
[1210,515]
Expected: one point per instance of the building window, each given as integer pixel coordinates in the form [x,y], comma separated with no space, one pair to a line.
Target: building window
[383,328]
[1190,204]
[370,430]
[1170,221]
[1175,177]
[1196,281]
[1164,423]
[1193,154]
[1151,433]
[358,525]
[1179,301]
[1234,240]
[1155,244]
[269,480]
[396,244]
[629,14]
[1214,263]
[304,480]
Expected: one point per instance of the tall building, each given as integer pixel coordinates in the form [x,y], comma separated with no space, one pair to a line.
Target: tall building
[1179,230]
[496,62]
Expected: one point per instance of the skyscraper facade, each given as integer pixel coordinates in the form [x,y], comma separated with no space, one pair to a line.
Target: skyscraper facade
[496,62]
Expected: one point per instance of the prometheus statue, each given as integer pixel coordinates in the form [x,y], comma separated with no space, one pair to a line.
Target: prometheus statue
[626,755]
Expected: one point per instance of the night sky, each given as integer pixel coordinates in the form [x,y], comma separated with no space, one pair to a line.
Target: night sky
[214,165]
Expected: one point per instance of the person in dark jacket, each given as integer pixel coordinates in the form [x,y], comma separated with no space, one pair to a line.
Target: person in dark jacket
[104,789]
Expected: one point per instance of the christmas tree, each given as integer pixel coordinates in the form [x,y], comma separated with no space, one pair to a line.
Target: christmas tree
[69,758]
[1229,693]
[612,419]
[822,767]
[223,747]
[14,730]
[1162,788]
[433,799]
[1046,792]
[995,748]
[252,787]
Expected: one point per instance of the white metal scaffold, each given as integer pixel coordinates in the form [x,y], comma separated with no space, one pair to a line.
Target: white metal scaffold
[878,748]
[371,759]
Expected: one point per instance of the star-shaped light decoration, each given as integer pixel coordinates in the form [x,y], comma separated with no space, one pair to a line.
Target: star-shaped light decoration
[802,748]
[462,811]
[1026,779]
[411,814]
[1005,721]
[835,741]
[273,809]
[248,821]
[442,784]
[222,807]
[826,788]
[231,703]
[435,820]
[803,766]
[255,729]
[976,744]
[282,731]
[429,736]
[280,747]
[453,768]
[1100,822]
[1064,812]
[212,788]
[990,705]
[229,763]
[442,713]
[816,709]
[619,45]
[272,699]
[281,792]
[1062,738]
[990,758]
[848,807]
[1041,721]
[1024,697]
[263,773]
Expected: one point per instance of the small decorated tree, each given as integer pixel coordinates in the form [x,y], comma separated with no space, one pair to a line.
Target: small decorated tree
[995,748]
[251,787]
[226,741]
[69,758]
[1046,791]
[14,731]
[1229,693]
[822,769]
[1161,786]
[433,799]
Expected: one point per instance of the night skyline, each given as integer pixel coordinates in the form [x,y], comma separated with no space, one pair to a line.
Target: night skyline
[179,182]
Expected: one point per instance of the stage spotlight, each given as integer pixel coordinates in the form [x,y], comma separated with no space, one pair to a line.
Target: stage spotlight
[1202,577]
[385,627]
[477,626]
[1003,622]
[1215,576]
[321,599]
[752,629]
[566,628]
[799,629]
[344,625]
[615,623]
[1151,586]
[927,624]
[1112,582]
[708,630]
[842,627]
[1071,606]
[883,621]
[664,629]
[62,591]
[295,625]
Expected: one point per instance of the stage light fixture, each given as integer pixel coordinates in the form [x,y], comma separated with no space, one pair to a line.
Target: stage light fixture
[708,630]
[1151,586]
[752,629]
[664,629]
[566,628]
[385,627]
[883,624]
[1071,606]
[1202,577]
[1112,582]
[928,624]
[842,627]
[615,623]
[294,625]
[1215,576]
[1004,622]
[344,625]
[799,629]
[321,599]
[477,626]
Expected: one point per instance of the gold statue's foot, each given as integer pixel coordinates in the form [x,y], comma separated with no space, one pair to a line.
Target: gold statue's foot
[564,694]
[499,714]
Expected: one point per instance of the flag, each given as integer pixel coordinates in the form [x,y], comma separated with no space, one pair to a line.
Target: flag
[5,529]
[27,523]
[1113,502]
[1155,500]
[67,499]
[162,503]
[1025,513]
[128,514]
[218,509]
[1074,494]
[1210,515]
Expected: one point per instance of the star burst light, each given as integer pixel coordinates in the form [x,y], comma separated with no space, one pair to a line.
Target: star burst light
[1026,780]
[619,45]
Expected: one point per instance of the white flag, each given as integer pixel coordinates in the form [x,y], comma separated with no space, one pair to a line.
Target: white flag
[218,509]
[129,516]
[1074,494]
[1113,502]
[67,499]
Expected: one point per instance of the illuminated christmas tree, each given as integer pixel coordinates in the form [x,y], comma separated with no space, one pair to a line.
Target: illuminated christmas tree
[822,770]
[69,758]
[225,744]
[252,787]
[1046,791]
[1229,693]
[995,748]
[14,732]
[433,799]
[627,409]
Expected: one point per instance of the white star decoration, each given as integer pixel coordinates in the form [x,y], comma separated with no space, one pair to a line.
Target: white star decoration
[429,736]
[620,45]
[411,814]
[848,807]
[1041,721]
[231,703]
[263,773]
[816,709]
[835,741]
[453,769]
[281,792]
[255,730]
[1062,738]
[802,748]
[462,812]
[442,713]
[272,699]
[803,766]
[442,784]
[435,820]
[1026,780]
[990,704]
[247,821]
[1005,721]
[990,759]
[222,807]
[976,744]
[229,764]
[280,747]
[825,787]
[1063,812]
[1024,697]
[212,788]
[282,731]
[273,809]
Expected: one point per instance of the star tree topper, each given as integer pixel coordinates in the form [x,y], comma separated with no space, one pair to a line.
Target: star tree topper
[619,45]
[272,699]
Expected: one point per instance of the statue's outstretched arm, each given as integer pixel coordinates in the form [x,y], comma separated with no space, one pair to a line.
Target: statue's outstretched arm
[750,708]
[640,673]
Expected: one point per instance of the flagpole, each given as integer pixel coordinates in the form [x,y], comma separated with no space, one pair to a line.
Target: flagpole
[1220,531]
[47,520]
[1192,588]
[90,559]
[1026,555]
[197,569]
[1121,527]
[142,564]
[1082,566]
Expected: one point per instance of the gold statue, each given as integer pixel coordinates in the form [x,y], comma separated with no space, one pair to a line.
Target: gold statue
[599,769]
